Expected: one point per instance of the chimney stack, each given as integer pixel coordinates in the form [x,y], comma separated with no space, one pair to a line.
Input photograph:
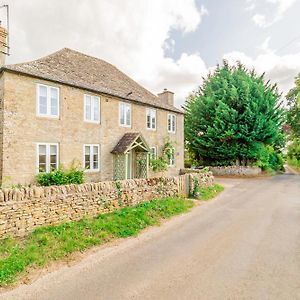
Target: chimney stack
[3,45]
[167,97]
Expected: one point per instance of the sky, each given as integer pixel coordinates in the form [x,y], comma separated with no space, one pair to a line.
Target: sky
[161,44]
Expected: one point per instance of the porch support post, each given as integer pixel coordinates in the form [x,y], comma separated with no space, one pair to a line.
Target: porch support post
[126,163]
[147,167]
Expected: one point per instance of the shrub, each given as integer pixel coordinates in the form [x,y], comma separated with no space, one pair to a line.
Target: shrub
[196,191]
[294,154]
[61,177]
[294,150]
[269,159]
[158,165]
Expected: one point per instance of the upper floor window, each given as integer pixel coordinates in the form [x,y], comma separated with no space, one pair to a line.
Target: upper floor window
[125,114]
[172,157]
[91,157]
[48,101]
[47,157]
[171,123]
[91,108]
[151,118]
[153,153]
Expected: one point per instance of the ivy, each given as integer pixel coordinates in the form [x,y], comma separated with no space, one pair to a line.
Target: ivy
[161,163]
[119,188]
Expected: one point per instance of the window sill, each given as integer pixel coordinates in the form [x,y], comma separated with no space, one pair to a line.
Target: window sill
[92,122]
[48,117]
[92,171]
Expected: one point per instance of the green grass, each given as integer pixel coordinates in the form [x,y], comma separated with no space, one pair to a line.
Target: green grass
[51,243]
[294,163]
[211,191]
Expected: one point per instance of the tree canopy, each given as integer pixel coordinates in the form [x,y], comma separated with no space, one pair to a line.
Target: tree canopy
[233,117]
[293,115]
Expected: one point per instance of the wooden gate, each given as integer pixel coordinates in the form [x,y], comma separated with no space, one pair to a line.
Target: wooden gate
[183,185]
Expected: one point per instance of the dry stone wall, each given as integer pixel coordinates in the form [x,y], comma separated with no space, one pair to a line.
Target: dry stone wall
[205,179]
[235,171]
[22,210]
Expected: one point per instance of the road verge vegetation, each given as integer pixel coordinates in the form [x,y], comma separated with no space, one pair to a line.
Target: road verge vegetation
[207,193]
[293,155]
[50,243]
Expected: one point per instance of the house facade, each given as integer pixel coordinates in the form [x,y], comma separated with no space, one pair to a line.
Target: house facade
[70,108]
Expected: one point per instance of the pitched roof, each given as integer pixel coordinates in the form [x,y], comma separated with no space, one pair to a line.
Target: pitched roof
[83,71]
[126,141]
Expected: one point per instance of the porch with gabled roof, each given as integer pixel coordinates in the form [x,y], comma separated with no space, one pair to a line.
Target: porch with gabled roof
[131,157]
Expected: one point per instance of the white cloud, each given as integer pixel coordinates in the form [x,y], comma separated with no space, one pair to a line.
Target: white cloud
[279,69]
[260,20]
[281,7]
[130,34]
[265,46]
[251,5]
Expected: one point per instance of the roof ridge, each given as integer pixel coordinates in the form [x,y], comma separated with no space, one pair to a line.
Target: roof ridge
[97,58]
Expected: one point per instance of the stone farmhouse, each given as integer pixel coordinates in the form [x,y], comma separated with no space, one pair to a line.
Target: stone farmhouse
[70,107]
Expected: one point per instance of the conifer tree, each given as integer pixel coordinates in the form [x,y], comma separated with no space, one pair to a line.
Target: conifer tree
[233,116]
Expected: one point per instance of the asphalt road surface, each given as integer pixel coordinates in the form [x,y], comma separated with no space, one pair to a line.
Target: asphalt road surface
[243,245]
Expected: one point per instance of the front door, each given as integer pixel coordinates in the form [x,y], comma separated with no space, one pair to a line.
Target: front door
[129,169]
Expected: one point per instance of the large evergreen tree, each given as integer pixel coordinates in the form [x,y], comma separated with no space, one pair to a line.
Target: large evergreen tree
[233,116]
[293,115]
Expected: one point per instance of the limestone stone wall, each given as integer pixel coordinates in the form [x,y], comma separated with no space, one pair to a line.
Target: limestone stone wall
[23,129]
[235,171]
[23,209]
[205,178]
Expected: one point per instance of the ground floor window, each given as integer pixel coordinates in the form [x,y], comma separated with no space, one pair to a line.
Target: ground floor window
[91,157]
[153,153]
[47,157]
[172,157]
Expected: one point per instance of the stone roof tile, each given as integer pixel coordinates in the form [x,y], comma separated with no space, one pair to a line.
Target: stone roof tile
[83,71]
[125,142]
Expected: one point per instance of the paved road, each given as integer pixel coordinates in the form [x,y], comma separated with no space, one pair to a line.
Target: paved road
[243,245]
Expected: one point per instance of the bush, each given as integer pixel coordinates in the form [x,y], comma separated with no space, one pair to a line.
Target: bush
[294,154]
[269,159]
[61,177]
[158,165]
[294,150]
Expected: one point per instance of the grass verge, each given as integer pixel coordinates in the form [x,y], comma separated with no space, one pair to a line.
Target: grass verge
[51,243]
[211,191]
[295,164]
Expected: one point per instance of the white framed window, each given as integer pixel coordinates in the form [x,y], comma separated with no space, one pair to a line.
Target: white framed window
[47,157]
[47,101]
[172,157]
[124,114]
[151,118]
[153,153]
[91,157]
[171,123]
[91,109]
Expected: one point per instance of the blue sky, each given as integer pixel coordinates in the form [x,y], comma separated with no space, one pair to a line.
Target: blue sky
[164,43]
[229,26]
